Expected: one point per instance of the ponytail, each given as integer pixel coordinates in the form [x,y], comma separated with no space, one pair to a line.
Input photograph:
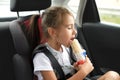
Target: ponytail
[33,31]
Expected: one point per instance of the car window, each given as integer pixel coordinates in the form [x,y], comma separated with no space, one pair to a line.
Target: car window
[109,10]
[5,4]
[72,5]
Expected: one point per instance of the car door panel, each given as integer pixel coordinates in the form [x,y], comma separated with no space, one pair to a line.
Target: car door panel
[103,42]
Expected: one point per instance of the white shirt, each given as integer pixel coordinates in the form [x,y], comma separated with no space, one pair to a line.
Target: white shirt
[42,63]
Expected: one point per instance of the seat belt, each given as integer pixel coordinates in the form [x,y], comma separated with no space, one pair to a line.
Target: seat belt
[55,64]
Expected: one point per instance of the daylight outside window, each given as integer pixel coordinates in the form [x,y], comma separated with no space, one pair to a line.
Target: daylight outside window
[109,10]
[72,5]
[5,10]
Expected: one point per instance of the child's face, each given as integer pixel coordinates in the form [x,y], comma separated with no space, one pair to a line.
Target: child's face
[66,32]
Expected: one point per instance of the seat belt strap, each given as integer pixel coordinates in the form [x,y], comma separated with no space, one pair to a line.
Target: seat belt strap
[53,60]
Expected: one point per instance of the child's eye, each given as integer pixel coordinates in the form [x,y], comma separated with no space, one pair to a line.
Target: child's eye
[69,27]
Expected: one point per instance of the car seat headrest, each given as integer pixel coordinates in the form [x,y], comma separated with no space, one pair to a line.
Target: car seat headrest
[29,5]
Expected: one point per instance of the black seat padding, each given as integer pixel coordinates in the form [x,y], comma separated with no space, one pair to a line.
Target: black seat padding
[6,52]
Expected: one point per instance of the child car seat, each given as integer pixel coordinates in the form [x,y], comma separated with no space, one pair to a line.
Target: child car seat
[22,60]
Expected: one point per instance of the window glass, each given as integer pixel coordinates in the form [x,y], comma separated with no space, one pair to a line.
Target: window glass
[5,4]
[109,10]
[72,5]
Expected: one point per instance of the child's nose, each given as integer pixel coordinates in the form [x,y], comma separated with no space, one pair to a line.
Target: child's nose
[74,31]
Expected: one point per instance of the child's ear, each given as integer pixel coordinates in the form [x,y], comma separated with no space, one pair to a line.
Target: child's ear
[52,32]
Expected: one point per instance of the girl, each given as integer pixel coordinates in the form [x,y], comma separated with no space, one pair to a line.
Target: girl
[59,31]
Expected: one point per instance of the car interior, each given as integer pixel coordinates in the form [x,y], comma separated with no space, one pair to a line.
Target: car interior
[101,41]
[16,59]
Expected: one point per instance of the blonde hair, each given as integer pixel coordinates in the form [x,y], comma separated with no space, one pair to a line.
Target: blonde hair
[53,17]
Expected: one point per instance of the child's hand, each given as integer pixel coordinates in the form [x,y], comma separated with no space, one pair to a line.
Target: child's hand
[86,67]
